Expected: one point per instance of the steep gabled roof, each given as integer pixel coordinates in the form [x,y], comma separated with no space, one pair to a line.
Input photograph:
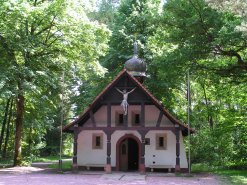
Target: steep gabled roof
[138,84]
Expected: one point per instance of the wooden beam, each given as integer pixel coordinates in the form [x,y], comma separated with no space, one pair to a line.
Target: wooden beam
[109,115]
[130,102]
[142,114]
[177,167]
[124,87]
[92,118]
[75,166]
[142,160]
[139,129]
[108,151]
[159,119]
[126,82]
[125,121]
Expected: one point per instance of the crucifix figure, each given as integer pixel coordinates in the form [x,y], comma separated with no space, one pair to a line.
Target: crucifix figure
[124,103]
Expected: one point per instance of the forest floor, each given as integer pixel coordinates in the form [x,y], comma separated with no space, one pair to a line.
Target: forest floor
[47,176]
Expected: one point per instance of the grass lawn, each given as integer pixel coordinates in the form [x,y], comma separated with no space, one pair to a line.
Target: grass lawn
[4,163]
[235,177]
[66,165]
[50,158]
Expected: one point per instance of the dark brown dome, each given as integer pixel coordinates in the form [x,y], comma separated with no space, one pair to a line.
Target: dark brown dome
[135,65]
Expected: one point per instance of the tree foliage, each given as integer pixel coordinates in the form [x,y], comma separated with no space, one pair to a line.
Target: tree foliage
[39,40]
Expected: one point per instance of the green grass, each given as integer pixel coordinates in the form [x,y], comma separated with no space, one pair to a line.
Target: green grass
[6,163]
[9,162]
[66,165]
[234,177]
[200,167]
[49,158]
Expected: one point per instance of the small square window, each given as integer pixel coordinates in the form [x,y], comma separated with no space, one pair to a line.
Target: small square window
[97,141]
[119,118]
[97,144]
[161,141]
[136,118]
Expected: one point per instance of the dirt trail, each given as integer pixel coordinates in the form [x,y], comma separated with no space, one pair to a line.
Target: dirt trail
[44,176]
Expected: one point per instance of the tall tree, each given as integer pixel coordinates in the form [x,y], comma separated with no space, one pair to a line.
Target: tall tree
[4,123]
[7,130]
[41,38]
[128,21]
[205,38]
[133,20]
[194,37]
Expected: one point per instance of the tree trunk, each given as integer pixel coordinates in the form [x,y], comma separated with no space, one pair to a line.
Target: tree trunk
[4,123]
[210,117]
[8,130]
[30,139]
[20,99]
[18,125]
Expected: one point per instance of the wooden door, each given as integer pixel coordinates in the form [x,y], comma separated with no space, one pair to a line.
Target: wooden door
[124,155]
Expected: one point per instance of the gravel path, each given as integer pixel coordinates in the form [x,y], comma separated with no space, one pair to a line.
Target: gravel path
[40,176]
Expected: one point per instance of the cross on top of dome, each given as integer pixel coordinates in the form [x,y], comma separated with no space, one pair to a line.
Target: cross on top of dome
[136,66]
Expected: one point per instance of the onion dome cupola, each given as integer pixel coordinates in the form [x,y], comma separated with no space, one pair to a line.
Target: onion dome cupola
[136,66]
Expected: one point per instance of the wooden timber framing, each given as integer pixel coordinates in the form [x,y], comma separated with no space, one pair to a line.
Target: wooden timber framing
[92,118]
[109,115]
[139,129]
[142,160]
[177,167]
[159,119]
[74,160]
[142,114]
[108,151]
[140,96]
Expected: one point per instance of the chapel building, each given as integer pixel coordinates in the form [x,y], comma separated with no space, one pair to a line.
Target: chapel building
[127,129]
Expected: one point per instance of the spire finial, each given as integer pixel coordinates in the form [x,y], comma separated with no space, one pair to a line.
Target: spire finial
[135,48]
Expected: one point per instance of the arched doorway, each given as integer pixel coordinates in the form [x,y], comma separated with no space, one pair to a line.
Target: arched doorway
[128,153]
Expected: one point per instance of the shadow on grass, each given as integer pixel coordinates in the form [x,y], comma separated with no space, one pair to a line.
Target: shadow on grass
[235,177]
[6,163]
[66,166]
[49,158]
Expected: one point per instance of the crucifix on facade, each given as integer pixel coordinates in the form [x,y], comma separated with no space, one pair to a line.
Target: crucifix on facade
[124,103]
